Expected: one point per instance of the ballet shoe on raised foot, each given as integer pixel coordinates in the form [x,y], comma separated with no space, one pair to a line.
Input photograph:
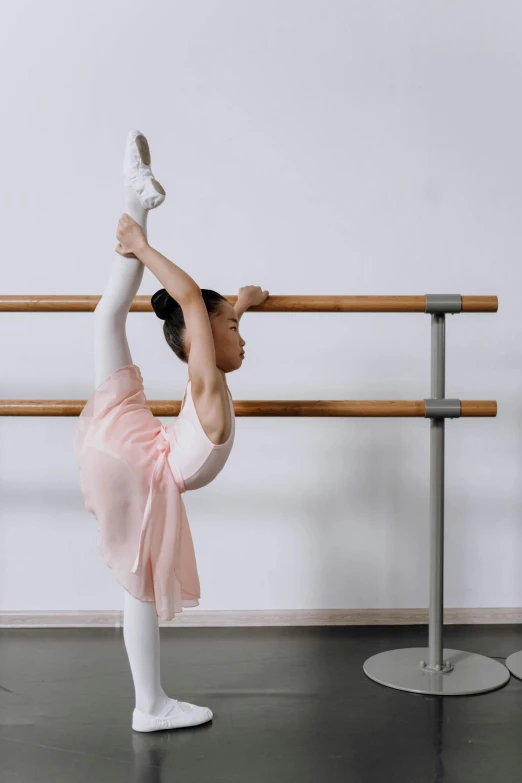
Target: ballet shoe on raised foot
[137,171]
[182,714]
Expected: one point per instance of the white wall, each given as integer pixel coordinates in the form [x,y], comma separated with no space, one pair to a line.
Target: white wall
[310,148]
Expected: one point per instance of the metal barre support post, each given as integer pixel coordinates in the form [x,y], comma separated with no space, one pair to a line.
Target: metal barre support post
[446,672]
[437,443]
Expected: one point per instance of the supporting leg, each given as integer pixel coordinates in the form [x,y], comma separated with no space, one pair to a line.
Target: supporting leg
[142,642]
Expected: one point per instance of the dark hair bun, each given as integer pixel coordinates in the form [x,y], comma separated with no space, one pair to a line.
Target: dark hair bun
[162,303]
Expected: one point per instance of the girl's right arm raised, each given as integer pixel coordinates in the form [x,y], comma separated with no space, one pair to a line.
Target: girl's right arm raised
[132,242]
[202,356]
[202,368]
[177,282]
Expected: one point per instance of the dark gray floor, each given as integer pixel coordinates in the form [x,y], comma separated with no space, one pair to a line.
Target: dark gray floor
[290,705]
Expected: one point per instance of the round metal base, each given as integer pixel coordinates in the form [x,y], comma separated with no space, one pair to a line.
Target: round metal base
[402,669]
[514,664]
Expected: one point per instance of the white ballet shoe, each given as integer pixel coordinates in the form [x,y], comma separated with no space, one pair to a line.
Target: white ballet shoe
[183,714]
[137,171]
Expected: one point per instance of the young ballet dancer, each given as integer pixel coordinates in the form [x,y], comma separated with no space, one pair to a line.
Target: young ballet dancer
[134,469]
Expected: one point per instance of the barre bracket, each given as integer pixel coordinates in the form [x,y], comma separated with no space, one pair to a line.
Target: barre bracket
[442,409]
[443,303]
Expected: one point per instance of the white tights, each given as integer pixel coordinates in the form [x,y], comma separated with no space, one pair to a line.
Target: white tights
[111,351]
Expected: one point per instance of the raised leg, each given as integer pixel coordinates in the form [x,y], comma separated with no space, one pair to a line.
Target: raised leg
[111,348]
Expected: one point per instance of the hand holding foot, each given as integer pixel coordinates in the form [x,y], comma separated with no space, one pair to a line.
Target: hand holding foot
[130,236]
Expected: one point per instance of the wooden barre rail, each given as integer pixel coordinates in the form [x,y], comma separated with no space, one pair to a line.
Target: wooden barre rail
[274,304]
[373,408]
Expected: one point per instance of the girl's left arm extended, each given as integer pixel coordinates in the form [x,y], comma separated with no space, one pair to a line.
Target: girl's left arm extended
[249,296]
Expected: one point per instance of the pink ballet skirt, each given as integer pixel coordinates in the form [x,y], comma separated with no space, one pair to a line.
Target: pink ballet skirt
[130,487]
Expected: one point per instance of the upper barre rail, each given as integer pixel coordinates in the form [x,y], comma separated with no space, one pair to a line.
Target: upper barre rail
[274,304]
[366,408]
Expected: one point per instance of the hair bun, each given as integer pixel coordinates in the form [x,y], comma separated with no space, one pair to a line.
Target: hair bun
[162,303]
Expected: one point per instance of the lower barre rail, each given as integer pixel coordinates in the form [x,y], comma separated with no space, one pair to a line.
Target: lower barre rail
[292,408]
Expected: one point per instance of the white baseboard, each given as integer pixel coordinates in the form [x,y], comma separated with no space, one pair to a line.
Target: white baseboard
[195,618]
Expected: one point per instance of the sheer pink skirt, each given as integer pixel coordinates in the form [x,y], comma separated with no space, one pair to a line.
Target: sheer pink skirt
[128,486]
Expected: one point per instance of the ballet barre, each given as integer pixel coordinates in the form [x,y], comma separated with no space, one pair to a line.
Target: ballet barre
[274,304]
[274,408]
[431,671]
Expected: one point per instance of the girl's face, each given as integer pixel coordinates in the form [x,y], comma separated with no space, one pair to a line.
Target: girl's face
[228,342]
